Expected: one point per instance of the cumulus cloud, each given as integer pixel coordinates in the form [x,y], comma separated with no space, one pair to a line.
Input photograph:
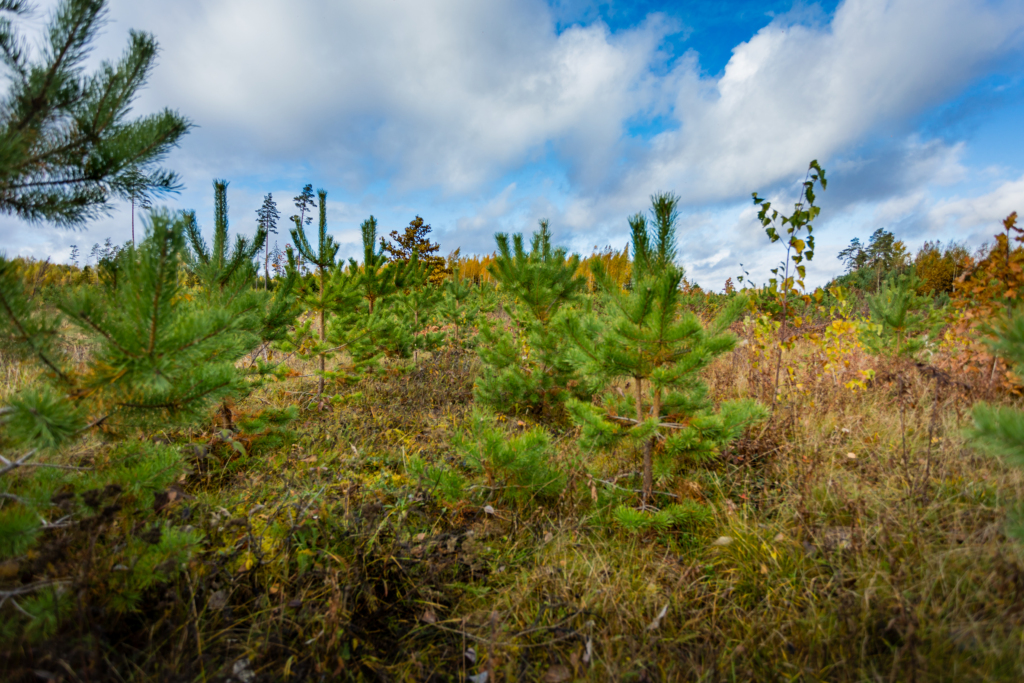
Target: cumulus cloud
[451,95]
[795,92]
[982,213]
[440,94]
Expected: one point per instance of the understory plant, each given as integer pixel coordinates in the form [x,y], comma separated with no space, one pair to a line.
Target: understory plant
[983,294]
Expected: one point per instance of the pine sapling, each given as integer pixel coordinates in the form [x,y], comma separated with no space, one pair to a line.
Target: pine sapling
[649,339]
[999,430]
[157,358]
[458,307]
[419,302]
[903,319]
[529,370]
[518,467]
[219,266]
[325,260]
[370,326]
[70,145]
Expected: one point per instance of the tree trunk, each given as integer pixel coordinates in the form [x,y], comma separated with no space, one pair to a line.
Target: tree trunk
[323,333]
[649,451]
[778,364]
[648,463]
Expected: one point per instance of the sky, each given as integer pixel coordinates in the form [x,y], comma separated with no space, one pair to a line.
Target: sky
[488,116]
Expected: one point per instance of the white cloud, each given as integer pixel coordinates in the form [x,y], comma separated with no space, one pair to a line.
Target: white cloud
[473,233]
[982,213]
[439,94]
[793,93]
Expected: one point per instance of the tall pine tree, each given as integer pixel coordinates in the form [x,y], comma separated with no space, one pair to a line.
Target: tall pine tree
[266,217]
[139,194]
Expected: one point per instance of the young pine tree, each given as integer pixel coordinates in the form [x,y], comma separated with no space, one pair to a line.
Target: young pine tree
[903,319]
[419,303]
[367,325]
[377,282]
[325,260]
[648,339]
[374,278]
[228,274]
[999,430]
[219,266]
[457,306]
[529,370]
[158,359]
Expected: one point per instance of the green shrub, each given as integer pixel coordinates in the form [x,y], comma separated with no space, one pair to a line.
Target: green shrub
[518,468]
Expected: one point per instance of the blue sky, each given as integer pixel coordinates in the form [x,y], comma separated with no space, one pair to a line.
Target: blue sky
[487,116]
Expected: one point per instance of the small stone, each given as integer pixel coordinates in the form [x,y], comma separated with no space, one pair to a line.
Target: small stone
[218,600]
[242,671]
[722,541]
[557,674]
